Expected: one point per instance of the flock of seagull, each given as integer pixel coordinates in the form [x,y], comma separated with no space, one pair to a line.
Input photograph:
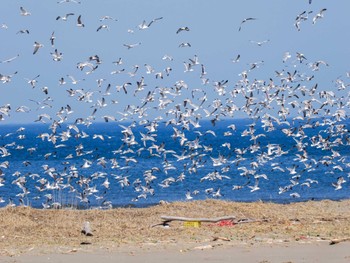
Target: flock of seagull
[289,102]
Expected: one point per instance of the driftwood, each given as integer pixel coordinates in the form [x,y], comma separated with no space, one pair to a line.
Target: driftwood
[336,241]
[248,220]
[167,219]
[210,220]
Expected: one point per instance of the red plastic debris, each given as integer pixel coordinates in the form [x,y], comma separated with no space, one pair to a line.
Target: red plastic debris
[224,223]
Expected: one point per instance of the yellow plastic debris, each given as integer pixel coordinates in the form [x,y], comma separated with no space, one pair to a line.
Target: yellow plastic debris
[192,224]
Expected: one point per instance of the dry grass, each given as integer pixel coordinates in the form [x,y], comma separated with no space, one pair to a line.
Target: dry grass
[22,228]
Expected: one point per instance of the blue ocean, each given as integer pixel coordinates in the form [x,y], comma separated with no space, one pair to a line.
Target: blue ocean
[115,164]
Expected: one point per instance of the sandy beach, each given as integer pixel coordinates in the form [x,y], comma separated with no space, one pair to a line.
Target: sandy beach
[263,253]
[260,232]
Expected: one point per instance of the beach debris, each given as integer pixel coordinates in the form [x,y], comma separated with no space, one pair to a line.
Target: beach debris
[73,250]
[224,223]
[85,243]
[167,219]
[231,223]
[192,224]
[163,224]
[203,247]
[86,229]
[336,241]
[221,238]
[196,222]
[302,238]
[201,219]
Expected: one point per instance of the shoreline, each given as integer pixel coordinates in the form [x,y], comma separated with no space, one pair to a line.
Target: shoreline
[150,205]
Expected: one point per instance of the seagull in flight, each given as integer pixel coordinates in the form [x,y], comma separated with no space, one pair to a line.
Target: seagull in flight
[318,15]
[79,23]
[74,81]
[9,60]
[6,78]
[235,60]
[245,20]
[303,16]
[37,45]
[167,57]
[185,44]
[52,39]
[188,195]
[129,46]
[102,27]
[107,17]
[259,43]
[23,31]
[184,28]
[32,81]
[24,12]
[338,184]
[65,17]
[286,56]
[144,25]
[56,56]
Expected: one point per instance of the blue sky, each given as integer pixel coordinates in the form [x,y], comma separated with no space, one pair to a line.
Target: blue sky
[213,35]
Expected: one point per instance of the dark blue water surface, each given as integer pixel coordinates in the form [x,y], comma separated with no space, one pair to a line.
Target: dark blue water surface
[46,173]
